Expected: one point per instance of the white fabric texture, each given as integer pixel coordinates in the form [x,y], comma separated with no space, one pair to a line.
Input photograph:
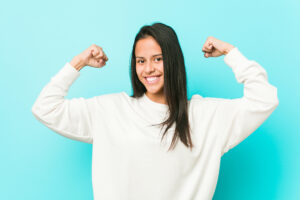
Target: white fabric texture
[129,161]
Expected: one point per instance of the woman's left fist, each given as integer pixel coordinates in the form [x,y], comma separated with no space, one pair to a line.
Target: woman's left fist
[214,47]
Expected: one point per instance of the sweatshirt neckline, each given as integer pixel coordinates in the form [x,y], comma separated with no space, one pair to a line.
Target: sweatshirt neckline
[153,104]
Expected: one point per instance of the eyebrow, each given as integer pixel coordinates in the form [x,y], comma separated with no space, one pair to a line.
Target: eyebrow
[152,56]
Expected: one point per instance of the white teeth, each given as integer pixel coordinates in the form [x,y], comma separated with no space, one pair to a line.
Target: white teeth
[152,79]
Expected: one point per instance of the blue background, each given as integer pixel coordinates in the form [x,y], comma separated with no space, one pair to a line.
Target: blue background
[37,38]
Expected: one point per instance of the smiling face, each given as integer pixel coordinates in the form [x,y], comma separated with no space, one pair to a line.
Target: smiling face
[150,68]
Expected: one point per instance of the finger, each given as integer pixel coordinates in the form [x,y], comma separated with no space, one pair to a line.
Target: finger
[105,57]
[100,63]
[208,44]
[95,52]
[207,55]
[207,50]
[92,52]
[100,55]
[207,47]
[102,59]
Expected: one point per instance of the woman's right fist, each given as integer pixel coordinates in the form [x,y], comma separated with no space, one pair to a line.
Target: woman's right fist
[93,56]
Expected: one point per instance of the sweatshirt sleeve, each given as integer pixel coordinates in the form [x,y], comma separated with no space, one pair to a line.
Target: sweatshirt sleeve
[242,116]
[71,118]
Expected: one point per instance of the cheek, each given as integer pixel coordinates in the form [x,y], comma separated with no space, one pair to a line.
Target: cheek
[161,67]
[139,71]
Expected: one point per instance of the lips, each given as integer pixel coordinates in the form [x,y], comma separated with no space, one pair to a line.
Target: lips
[152,79]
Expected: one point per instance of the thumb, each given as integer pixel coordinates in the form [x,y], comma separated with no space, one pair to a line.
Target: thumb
[207,55]
[92,53]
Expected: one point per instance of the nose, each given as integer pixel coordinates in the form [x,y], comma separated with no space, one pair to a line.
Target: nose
[149,68]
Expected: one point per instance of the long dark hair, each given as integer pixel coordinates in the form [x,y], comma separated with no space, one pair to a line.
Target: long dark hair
[175,86]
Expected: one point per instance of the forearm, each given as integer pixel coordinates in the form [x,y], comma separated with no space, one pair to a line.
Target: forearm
[254,77]
[68,117]
[242,116]
[54,92]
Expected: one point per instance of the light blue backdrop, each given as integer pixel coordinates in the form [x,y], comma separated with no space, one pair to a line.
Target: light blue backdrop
[37,38]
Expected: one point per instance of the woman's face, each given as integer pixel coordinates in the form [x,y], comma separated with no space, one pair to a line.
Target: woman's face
[149,65]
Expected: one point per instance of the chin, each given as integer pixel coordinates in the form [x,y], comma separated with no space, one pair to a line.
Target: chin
[154,92]
[156,89]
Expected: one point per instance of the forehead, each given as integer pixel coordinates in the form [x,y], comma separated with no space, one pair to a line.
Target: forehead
[147,47]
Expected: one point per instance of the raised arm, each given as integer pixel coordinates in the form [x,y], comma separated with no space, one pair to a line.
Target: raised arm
[72,118]
[242,116]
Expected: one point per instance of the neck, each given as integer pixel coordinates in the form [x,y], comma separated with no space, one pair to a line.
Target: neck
[158,98]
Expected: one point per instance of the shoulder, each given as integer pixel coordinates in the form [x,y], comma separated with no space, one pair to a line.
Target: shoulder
[198,99]
[119,98]
[110,97]
[212,103]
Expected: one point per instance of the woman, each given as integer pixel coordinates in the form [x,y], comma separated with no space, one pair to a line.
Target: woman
[131,161]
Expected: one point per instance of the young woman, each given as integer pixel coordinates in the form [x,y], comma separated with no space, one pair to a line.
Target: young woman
[157,144]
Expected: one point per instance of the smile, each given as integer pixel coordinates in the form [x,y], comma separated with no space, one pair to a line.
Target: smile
[152,79]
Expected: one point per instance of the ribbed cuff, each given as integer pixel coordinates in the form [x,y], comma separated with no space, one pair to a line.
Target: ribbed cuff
[235,58]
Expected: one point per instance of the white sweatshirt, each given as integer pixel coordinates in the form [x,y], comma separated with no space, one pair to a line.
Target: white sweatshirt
[129,162]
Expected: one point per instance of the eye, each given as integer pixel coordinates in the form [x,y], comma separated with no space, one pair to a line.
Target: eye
[139,61]
[158,59]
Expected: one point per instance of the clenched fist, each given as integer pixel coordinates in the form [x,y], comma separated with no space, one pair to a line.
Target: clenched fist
[93,56]
[214,47]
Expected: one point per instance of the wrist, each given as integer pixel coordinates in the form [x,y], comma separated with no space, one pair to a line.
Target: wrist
[77,63]
[228,49]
